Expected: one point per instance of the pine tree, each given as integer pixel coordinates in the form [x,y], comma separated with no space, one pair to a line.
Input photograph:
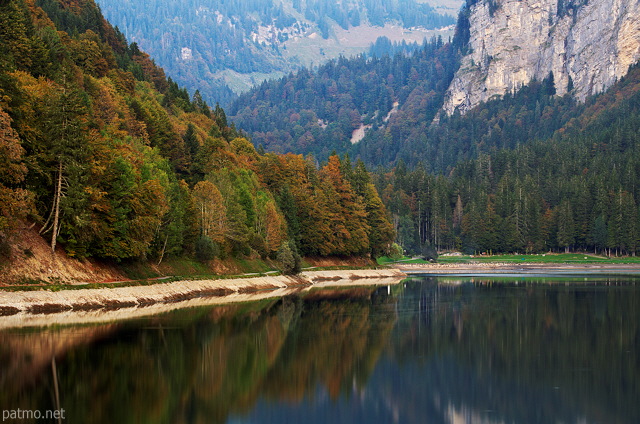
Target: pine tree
[276,228]
[14,39]
[191,141]
[65,123]
[289,208]
[381,233]
[200,105]
[565,225]
[599,234]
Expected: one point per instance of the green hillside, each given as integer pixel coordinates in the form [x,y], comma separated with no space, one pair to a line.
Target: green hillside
[317,112]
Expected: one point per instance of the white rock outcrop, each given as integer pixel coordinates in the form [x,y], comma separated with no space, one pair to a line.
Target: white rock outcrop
[514,41]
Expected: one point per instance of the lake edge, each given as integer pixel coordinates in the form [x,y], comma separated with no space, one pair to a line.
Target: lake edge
[83,306]
[480,268]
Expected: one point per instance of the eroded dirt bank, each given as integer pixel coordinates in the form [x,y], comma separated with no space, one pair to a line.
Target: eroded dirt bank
[39,308]
[30,261]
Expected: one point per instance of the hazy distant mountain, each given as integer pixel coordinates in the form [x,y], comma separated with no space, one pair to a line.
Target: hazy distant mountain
[216,45]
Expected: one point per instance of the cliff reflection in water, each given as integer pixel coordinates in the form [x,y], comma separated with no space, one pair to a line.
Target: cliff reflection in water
[518,351]
[469,351]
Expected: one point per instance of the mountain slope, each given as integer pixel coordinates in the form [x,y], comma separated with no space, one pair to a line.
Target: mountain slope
[108,159]
[346,100]
[575,188]
[489,59]
[209,45]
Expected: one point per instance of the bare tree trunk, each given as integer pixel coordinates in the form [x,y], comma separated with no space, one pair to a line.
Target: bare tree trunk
[47,225]
[56,209]
[54,371]
[163,249]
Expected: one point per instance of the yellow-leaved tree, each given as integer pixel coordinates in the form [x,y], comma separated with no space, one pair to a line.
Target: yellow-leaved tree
[15,202]
[211,211]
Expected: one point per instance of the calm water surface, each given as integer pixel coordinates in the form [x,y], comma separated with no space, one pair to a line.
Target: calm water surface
[430,350]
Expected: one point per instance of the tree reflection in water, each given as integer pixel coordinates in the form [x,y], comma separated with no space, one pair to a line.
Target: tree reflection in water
[203,365]
[467,351]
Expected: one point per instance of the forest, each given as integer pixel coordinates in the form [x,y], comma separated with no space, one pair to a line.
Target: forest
[317,112]
[557,176]
[528,172]
[409,13]
[222,35]
[383,46]
[393,93]
[110,159]
[397,99]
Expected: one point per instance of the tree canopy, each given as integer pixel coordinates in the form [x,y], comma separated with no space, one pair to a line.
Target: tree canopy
[111,159]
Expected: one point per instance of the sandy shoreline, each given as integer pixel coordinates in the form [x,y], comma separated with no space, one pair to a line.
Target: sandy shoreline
[43,308]
[85,306]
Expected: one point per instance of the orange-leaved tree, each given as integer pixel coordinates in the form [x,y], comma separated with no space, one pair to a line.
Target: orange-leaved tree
[15,202]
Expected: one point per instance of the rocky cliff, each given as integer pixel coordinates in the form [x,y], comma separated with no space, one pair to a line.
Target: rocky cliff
[586,44]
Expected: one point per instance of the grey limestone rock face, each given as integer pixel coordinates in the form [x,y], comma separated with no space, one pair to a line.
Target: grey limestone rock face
[593,42]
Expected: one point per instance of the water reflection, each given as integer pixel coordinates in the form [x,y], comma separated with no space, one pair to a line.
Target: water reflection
[201,365]
[523,351]
[431,350]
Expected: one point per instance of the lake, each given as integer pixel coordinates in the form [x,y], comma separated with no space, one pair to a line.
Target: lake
[484,349]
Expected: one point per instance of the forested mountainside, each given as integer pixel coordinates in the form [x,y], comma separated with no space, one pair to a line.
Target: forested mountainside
[336,105]
[110,159]
[574,188]
[527,171]
[209,45]
[383,109]
[382,113]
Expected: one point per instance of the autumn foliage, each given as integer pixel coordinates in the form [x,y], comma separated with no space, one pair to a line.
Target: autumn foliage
[110,159]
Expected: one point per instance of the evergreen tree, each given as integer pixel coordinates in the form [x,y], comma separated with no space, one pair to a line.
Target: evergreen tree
[566,226]
[65,120]
[599,234]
